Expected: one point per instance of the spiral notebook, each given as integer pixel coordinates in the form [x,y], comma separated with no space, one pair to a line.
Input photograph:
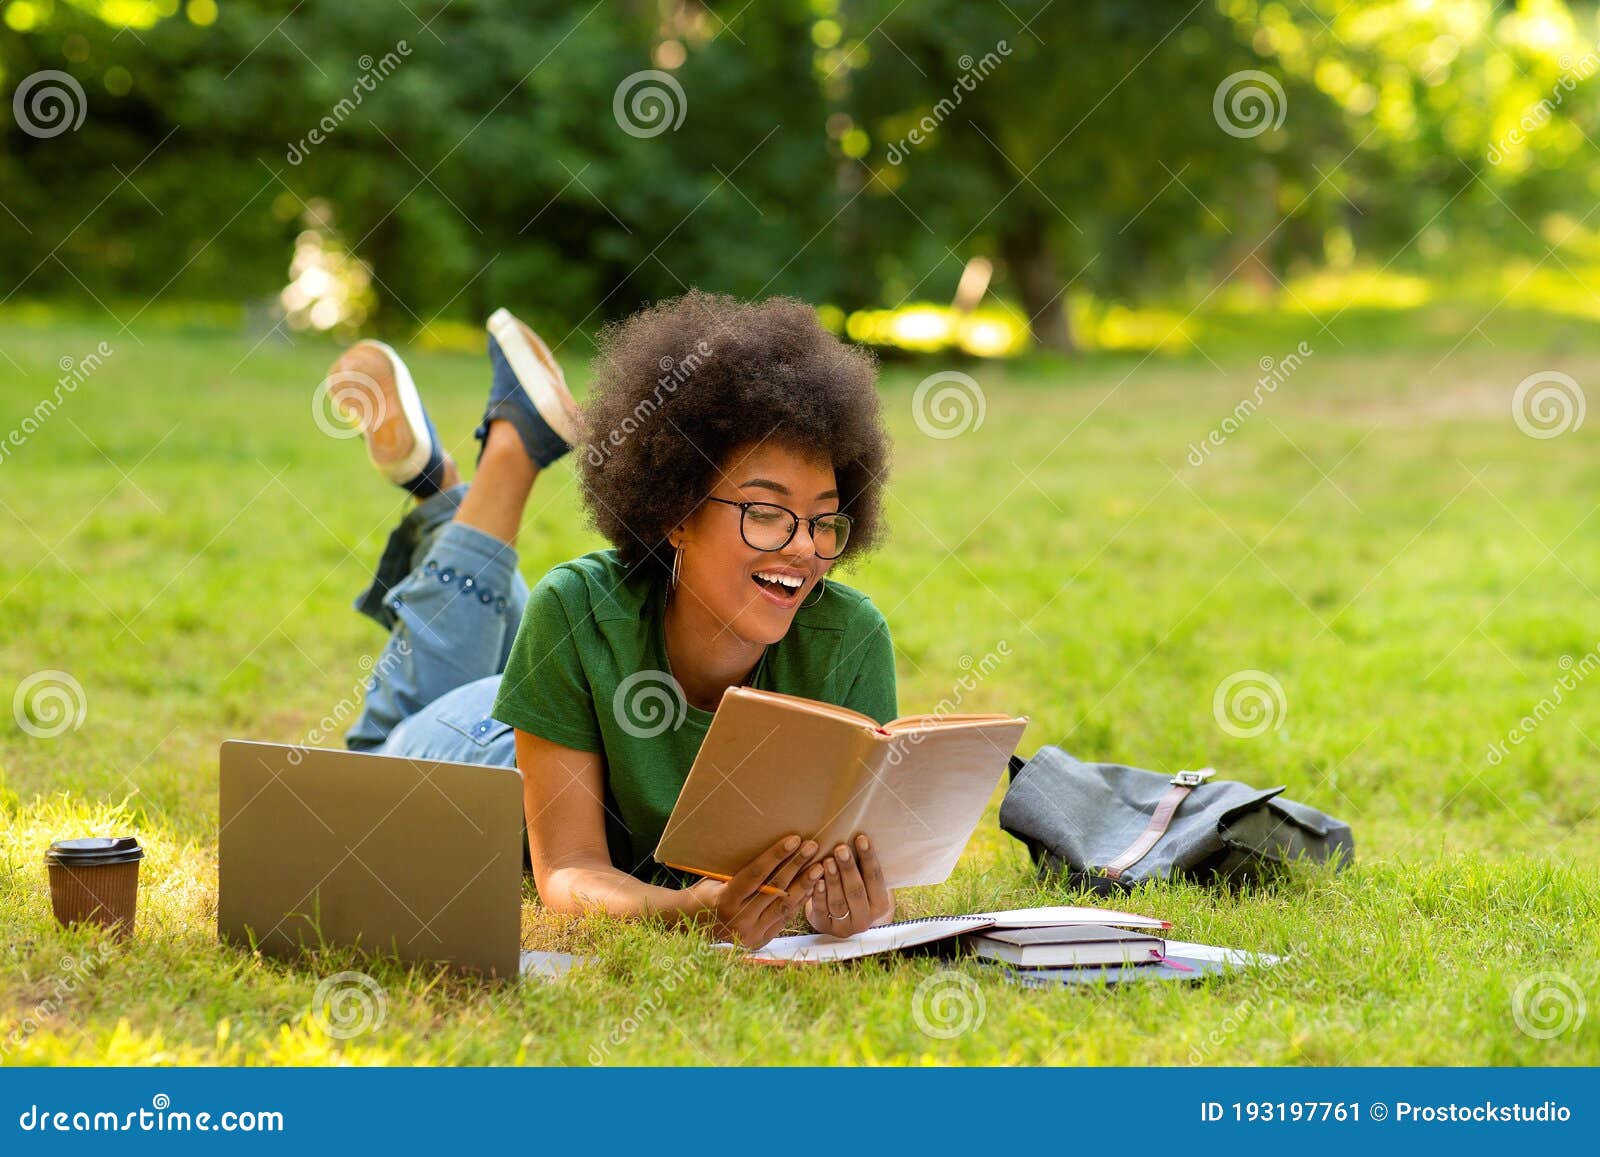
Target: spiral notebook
[820,949]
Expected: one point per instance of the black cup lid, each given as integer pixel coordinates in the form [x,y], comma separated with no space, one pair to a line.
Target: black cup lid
[95,850]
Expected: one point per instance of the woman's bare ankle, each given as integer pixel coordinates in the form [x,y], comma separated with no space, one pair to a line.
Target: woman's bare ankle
[505,445]
[499,492]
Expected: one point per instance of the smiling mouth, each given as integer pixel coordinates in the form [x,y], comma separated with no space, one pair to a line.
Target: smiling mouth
[777,588]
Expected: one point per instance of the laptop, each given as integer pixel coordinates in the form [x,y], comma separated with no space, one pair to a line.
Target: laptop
[399,857]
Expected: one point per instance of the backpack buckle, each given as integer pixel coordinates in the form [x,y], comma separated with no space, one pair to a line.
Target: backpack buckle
[1193,778]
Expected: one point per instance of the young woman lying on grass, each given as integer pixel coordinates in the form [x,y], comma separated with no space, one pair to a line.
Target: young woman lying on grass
[731,453]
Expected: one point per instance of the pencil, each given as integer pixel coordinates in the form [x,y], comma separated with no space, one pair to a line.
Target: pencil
[764,889]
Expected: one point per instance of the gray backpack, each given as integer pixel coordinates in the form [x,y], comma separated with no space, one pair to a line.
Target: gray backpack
[1110,827]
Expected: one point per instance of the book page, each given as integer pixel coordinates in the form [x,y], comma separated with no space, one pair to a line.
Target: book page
[773,764]
[819,949]
[1213,954]
[806,706]
[1062,915]
[928,791]
[920,722]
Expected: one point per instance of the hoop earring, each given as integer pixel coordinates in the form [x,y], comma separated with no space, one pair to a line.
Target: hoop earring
[822,589]
[677,560]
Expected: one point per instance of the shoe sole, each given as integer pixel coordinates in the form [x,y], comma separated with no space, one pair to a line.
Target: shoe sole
[537,373]
[386,411]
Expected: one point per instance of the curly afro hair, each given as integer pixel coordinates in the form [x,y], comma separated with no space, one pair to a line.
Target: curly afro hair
[681,385]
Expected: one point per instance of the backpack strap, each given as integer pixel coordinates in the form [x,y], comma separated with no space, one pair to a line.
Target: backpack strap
[1182,784]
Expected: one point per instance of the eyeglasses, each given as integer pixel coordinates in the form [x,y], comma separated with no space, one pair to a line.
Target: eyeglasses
[768,526]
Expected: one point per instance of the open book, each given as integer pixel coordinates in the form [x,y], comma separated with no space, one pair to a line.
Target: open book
[821,949]
[775,764]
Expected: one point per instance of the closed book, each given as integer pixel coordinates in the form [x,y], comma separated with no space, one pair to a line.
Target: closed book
[1075,947]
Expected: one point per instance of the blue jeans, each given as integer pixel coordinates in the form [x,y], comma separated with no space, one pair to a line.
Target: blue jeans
[451,598]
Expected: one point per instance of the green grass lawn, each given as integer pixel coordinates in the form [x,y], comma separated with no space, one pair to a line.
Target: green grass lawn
[1379,537]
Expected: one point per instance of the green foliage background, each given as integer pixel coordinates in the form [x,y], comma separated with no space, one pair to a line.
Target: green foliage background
[1088,162]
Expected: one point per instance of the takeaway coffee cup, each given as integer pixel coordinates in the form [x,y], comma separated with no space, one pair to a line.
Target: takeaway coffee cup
[95,880]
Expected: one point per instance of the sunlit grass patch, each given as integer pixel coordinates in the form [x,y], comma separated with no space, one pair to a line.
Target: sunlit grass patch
[1378,534]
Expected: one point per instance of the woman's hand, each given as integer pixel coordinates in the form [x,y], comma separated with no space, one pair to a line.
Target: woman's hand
[749,916]
[850,897]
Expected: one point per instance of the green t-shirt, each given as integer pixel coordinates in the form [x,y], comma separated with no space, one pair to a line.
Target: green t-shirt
[588,670]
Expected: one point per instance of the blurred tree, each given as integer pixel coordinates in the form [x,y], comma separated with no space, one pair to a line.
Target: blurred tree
[578,160]
[1078,144]
[472,153]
